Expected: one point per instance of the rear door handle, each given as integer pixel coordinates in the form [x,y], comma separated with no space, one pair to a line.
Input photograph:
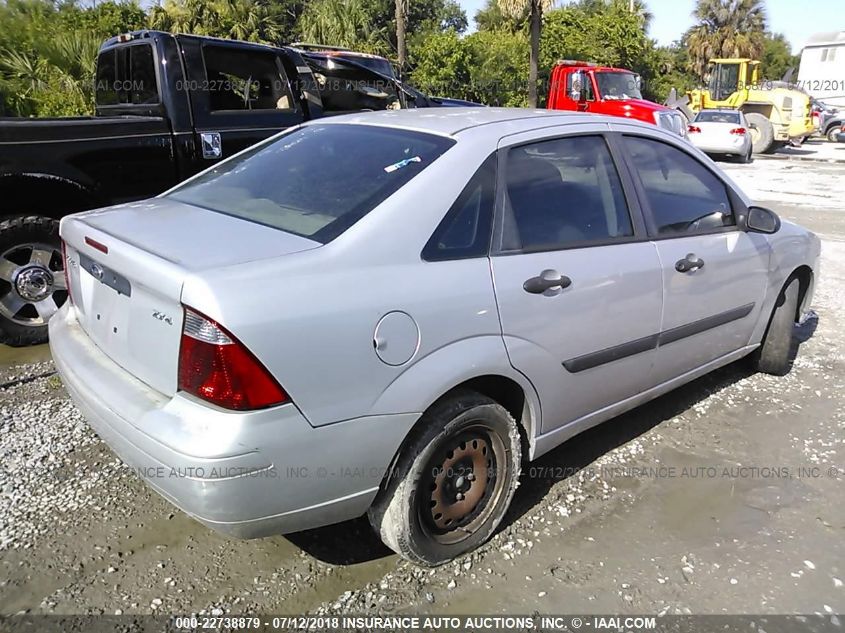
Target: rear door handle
[546,280]
[689,263]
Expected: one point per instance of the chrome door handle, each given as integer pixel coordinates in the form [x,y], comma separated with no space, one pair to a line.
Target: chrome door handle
[689,263]
[546,280]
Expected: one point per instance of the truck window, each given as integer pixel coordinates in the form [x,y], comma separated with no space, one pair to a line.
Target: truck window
[245,80]
[616,85]
[126,75]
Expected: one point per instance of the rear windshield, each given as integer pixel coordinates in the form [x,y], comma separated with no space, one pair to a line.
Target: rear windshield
[126,75]
[717,117]
[316,181]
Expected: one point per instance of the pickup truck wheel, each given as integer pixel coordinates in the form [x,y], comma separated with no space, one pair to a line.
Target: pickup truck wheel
[453,483]
[774,356]
[833,134]
[32,278]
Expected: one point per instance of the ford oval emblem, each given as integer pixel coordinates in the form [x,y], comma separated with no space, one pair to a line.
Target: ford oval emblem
[97,271]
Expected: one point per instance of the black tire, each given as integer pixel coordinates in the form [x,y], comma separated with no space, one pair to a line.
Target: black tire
[764,139]
[29,328]
[747,157]
[774,356]
[435,465]
[833,134]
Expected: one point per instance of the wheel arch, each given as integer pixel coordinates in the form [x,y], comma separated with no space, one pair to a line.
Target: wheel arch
[44,194]
[520,401]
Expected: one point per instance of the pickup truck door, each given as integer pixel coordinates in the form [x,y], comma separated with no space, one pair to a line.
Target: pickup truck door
[577,281]
[714,273]
[241,94]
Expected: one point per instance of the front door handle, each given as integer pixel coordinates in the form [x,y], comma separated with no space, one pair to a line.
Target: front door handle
[689,263]
[546,280]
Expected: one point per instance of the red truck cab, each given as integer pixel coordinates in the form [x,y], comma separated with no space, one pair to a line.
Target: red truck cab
[587,87]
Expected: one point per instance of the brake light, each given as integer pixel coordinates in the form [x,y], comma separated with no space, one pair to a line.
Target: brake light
[67,271]
[694,129]
[215,366]
[739,131]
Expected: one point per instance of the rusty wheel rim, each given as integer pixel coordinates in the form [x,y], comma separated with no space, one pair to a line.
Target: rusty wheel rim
[463,484]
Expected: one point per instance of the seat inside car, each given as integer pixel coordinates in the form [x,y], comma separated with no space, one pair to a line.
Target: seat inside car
[549,211]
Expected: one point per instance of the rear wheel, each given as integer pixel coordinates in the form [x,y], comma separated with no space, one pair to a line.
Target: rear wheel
[762,132]
[747,157]
[452,483]
[774,356]
[833,134]
[32,278]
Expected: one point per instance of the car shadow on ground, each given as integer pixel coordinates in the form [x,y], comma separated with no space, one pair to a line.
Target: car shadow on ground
[354,541]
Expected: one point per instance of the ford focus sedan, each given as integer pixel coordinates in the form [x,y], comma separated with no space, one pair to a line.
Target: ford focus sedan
[391,313]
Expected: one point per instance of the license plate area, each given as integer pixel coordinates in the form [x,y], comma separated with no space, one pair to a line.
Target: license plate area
[106,276]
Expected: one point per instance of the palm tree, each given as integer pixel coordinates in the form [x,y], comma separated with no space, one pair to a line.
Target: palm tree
[725,28]
[401,13]
[516,9]
[341,23]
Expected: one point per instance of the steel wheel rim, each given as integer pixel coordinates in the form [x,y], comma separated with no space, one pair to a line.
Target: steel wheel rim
[33,285]
[464,481]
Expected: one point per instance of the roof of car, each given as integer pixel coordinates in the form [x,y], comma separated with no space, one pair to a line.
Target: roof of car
[451,121]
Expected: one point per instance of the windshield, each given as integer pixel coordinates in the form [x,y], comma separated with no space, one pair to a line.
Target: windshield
[724,80]
[316,181]
[618,85]
[717,117]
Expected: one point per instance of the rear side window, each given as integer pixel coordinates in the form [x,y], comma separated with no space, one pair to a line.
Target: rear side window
[315,181]
[562,193]
[684,196]
[244,80]
[126,75]
[465,230]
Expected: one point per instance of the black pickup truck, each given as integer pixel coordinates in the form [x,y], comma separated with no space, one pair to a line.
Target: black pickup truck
[168,106]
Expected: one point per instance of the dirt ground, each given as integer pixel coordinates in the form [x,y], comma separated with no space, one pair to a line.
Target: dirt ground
[725,496]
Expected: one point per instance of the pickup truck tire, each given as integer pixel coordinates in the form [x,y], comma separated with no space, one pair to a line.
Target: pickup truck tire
[833,133]
[762,134]
[32,279]
[774,356]
[452,482]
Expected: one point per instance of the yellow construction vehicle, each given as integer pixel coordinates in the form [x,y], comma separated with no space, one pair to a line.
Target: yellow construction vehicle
[776,111]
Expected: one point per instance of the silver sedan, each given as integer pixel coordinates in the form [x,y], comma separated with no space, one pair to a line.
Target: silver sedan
[722,132]
[392,313]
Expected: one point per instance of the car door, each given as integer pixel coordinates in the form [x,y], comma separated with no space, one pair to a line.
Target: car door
[577,282]
[240,95]
[714,273]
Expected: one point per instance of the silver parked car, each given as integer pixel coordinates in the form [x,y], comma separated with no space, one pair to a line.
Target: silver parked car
[724,132]
[392,312]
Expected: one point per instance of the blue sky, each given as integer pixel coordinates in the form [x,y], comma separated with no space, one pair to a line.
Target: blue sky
[796,20]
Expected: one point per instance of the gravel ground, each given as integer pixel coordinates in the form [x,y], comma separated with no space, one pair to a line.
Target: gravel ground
[744,515]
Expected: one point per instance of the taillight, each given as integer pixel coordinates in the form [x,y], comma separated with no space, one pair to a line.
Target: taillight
[67,271]
[215,366]
[739,131]
[694,129]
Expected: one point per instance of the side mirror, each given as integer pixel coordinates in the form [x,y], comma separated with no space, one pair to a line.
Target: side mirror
[761,220]
[579,87]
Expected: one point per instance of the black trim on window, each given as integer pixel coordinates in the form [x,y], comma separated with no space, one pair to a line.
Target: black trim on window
[485,177]
[653,341]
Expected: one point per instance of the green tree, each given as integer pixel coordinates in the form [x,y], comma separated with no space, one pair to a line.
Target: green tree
[725,28]
[534,9]
[777,58]
[251,20]
[342,23]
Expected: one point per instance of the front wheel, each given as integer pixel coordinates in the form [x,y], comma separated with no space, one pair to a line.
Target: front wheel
[774,356]
[833,134]
[32,278]
[453,483]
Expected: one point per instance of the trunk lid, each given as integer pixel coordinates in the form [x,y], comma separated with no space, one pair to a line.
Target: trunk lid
[128,299]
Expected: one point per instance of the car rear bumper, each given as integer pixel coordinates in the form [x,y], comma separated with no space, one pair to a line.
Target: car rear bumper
[245,474]
[739,148]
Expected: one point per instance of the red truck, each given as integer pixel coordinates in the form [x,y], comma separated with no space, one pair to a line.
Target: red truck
[587,87]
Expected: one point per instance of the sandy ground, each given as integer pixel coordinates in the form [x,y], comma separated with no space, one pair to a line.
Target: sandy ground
[744,515]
